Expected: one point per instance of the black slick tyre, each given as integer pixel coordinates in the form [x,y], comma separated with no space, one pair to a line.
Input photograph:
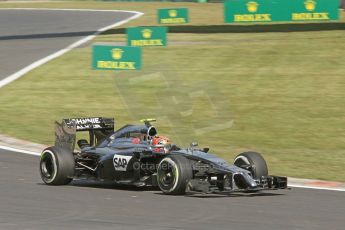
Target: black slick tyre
[173,174]
[255,160]
[57,166]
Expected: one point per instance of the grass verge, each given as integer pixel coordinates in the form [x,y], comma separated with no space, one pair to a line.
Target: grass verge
[280,93]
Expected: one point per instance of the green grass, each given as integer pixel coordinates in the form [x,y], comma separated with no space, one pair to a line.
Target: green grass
[278,93]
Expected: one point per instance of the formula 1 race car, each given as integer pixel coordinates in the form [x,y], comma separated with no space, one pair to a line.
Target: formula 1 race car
[136,155]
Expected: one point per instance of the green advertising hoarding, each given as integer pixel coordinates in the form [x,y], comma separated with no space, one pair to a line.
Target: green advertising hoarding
[147,36]
[280,10]
[314,10]
[173,16]
[248,11]
[106,57]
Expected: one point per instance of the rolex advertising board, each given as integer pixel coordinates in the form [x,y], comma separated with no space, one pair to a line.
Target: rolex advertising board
[314,10]
[236,11]
[147,36]
[106,57]
[173,16]
[248,11]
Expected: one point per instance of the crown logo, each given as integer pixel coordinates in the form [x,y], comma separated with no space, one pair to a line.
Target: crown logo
[310,5]
[147,33]
[172,13]
[116,53]
[252,7]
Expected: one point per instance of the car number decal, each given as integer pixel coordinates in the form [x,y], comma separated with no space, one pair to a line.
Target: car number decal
[121,162]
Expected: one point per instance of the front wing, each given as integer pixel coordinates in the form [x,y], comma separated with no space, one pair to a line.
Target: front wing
[267,183]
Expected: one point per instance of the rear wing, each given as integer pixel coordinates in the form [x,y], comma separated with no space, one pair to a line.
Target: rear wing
[90,123]
[98,128]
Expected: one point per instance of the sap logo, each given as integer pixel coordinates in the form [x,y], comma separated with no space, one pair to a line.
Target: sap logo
[121,162]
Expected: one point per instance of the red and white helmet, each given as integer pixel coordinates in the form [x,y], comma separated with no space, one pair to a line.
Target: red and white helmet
[161,144]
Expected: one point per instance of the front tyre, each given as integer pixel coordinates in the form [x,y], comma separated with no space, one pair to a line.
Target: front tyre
[173,174]
[257,163]
[57,166]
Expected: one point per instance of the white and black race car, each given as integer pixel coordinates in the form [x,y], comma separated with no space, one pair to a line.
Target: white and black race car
[136,155]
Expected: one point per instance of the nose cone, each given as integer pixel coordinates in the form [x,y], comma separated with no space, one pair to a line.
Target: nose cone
[244,180]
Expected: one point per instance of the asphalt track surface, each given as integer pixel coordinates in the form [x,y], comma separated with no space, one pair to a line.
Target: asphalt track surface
[29,35]
[27,203]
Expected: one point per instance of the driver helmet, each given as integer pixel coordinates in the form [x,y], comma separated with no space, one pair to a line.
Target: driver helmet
[161,144]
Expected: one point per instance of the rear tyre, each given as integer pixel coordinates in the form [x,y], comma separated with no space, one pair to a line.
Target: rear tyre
[57,166]
[173,174]
[255,160]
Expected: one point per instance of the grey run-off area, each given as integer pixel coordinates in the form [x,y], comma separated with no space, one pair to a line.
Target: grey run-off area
[30,35]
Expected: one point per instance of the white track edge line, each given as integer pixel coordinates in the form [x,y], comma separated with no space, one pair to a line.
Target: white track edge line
[86,10]
[19,150]
[316,187]
[59,53]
